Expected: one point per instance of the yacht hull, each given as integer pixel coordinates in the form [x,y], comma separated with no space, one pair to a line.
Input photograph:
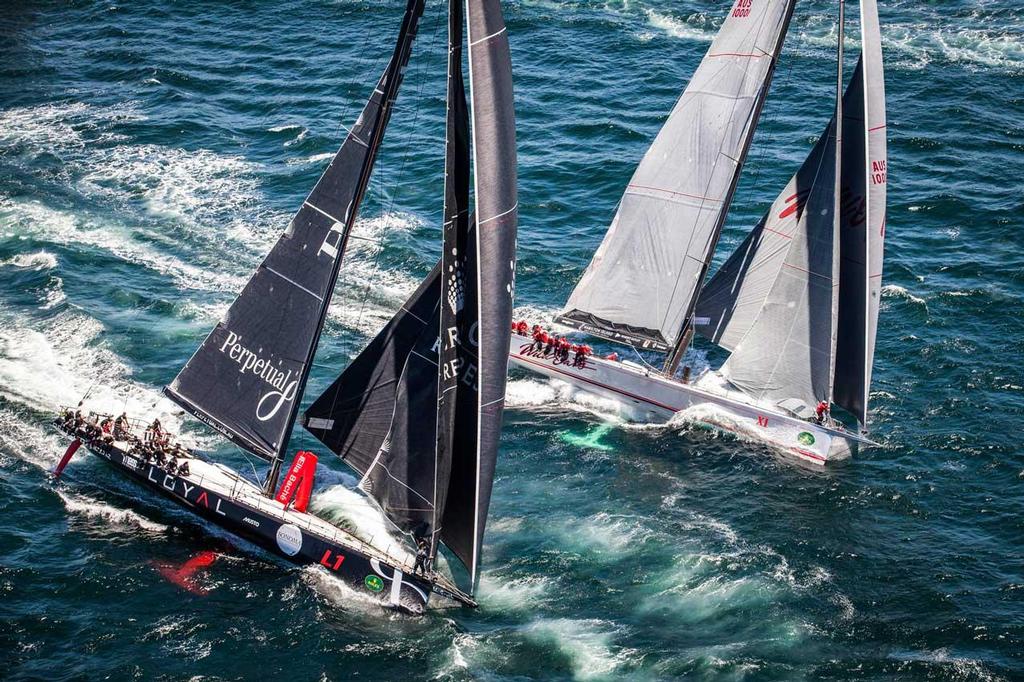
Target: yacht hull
[648,396]
[218,495]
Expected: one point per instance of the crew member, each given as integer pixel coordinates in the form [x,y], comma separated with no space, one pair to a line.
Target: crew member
[121,427]
[539,338]
[422,554]
[821,411]
[107,430]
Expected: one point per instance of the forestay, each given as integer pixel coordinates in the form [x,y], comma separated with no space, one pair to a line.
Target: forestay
[642,283]
[248,376]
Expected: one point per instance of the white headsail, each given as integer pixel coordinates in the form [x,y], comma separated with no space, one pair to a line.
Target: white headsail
[641,285]
[795,284]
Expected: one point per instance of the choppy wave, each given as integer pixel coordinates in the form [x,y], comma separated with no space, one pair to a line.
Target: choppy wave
[695,27]
[588,644]
[88,507]
[982,39]
[39,260]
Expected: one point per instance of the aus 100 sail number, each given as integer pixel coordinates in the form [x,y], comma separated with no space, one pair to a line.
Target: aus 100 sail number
[742,8]
[878,172]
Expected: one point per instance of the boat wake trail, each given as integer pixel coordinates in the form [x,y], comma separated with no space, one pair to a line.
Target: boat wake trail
[92,508]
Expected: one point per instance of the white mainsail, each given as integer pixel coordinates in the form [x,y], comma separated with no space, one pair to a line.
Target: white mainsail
[642,282]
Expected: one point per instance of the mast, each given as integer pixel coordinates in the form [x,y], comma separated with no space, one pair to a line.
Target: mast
[391,80]
[454,250]
[685,335]
[837,203]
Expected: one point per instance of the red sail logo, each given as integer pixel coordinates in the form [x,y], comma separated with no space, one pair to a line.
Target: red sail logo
[794,204]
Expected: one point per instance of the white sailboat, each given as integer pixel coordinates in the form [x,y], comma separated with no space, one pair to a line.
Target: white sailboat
[796,304]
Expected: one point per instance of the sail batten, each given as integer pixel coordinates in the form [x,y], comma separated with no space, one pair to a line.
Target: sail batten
[642,283]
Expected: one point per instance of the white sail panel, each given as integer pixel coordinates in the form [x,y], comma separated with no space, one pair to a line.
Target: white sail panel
[787,349]
[732,299]
[641,283]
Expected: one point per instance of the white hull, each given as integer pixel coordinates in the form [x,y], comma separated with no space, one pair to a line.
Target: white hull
[650,397]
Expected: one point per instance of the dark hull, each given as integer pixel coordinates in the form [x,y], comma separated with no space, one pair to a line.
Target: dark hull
[392,586]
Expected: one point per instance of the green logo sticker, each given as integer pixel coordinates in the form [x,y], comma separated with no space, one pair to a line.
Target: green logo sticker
[373,583]
[806,438]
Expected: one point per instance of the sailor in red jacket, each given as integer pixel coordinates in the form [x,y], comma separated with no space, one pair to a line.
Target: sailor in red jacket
[821,411]
[540,337]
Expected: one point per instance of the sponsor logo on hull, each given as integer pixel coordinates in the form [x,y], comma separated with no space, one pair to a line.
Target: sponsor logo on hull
[289,539]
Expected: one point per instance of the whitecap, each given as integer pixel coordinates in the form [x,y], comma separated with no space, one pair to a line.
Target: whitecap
[86,506]
[587,643]
[896,291]
[39,260]
[680,28]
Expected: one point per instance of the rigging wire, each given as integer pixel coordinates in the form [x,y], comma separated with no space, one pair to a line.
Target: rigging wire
[388,210]
[375,262]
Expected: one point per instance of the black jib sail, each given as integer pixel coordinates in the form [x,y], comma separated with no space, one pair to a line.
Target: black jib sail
[247,378]
[379,414]
[455,436]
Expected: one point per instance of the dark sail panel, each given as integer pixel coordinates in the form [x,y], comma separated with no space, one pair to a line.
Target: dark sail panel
[379,414]
[589,323]
[849,388]
[456,382]
[865,171]
[248,376]
[490,285]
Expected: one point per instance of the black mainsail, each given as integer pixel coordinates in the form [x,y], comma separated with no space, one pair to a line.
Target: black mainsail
[248,376]
[448,427]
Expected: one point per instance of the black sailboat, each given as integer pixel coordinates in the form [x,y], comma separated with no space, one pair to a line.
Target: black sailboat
[418,413]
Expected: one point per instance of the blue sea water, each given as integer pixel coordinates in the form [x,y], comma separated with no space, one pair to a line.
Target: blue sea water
[150,152]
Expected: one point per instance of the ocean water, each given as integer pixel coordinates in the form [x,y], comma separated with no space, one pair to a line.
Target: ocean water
[149,154]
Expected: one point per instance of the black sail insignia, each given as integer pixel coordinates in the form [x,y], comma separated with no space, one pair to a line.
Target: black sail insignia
[249,374]
[378,415]
[456,381]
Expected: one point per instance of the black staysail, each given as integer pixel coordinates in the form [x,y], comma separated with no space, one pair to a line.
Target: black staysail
[379,414]
[248,376]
